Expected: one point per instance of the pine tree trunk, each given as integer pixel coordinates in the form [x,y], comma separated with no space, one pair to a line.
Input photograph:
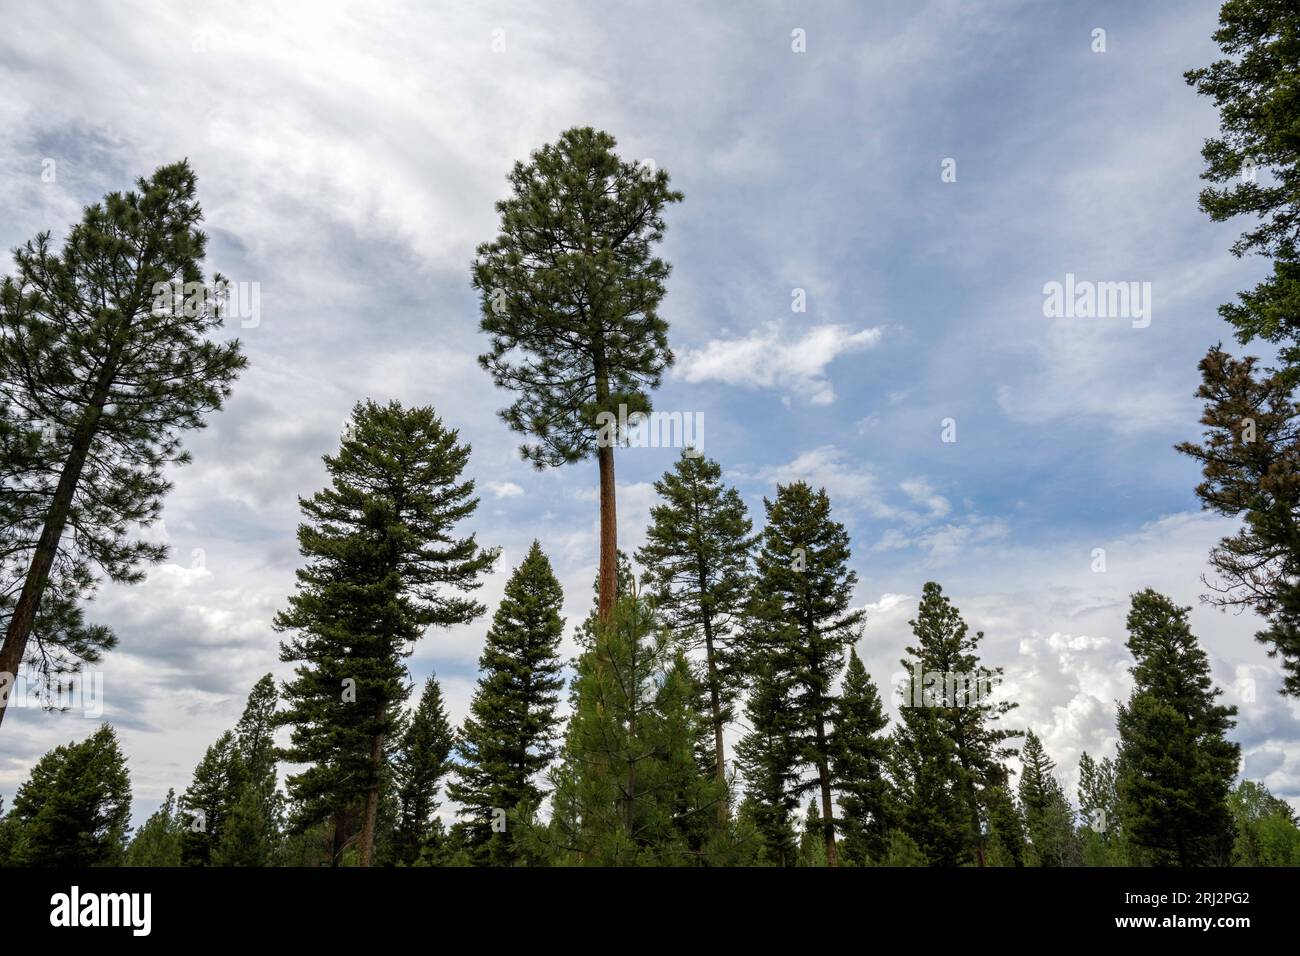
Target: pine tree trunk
[608,590]
[715,705]
[828,814]
[47,545]
[340,836]
[367,850]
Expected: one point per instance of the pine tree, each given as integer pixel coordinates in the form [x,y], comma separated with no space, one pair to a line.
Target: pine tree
[1100,832]
[1256,159]
[246,838]
[812,843]
[383,567]
[1251,444]
[509,736]
[931,806]
[802,623]
[769,760]
[255,738]
[418,768]
[696,557]
[628,790]
[219,781]
[158,842]
[570,294]
[1049,818]
[1006,833]
[860,755]
[75,807]
[946,677]
[1175,766]
[99,375]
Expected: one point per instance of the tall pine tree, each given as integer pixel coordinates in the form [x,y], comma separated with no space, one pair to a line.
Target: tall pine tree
[418,769]
[99,376]
[570,297]
[385,564]
[802,626]
[860,752]
[697,556]
[1049,818]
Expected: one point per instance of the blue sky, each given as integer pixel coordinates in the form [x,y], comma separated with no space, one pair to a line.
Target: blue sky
[348,158]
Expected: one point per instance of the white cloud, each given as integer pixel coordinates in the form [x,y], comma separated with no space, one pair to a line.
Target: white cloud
[774,357]
[505,489]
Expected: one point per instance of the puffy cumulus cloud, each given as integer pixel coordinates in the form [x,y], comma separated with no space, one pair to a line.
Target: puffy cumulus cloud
[773,357]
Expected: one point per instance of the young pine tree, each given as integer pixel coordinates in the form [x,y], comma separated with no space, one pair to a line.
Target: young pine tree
[860,753]
[219,781]
[802,626]
[384,565]
[418,768]
[570,297]
[158,842]
[1099,832]
[74,808]
[1175,766]
[99,375]
[696,557]
[509,736]
[628,790]
[1049,818]
[769,759]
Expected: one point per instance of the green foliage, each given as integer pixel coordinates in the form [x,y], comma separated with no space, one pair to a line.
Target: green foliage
[1255,159]
[800,625]
[75,807]
[418,768]
[1175,766]
[696,557]
[1049,818]
[509,736]
[1267,834]
[570,291]
[158,842]
[97,381]
[950,740]
[384,565]
[860,755]
[628,790]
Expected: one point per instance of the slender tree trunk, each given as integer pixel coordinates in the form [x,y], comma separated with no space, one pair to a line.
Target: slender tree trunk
[828,813]
[340,836]
[715,705]
[47,545]
[367,850]
[608,590]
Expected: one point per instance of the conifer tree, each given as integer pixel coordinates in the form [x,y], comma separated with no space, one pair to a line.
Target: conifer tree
[75,807]
[931,807]
[1255,160]
[769,761]
[946,677]
[384,565]
[99,376]
[1049,819]
[628,790]
[570,295]
[158,842]
[860,754]
[1248,455]
[802,623]
[255,739]
[812,843]
[219,781]
[418,768]
[1006,834]
[696,557]
[1175,766]
[1100,833]
[509,736]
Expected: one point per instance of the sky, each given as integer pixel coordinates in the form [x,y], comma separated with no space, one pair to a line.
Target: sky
[349,156]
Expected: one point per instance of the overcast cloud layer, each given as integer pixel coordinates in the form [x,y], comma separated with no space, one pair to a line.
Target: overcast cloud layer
[349,156]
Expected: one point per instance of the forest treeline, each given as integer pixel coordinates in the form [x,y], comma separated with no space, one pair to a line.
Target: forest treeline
[722,629]
[714,630]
